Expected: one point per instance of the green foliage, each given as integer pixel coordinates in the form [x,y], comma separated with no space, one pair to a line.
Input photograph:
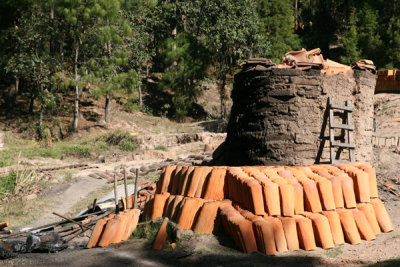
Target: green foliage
[187,61]
[350,42]
[393,33]
[77,150]
[163,148]
[231,31]
[7,184]
[277,22]
[127,146]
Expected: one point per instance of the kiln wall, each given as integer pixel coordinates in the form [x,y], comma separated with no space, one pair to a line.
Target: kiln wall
[277,116]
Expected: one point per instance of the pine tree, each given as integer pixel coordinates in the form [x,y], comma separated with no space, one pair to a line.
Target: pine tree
[350,41]
[369,39]
[187,61]
[277,22]
[230,30]
[393,50]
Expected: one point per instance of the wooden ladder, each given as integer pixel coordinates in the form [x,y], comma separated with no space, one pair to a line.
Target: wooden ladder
[346,126]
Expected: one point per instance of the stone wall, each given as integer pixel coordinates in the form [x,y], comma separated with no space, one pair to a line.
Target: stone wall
[277,117]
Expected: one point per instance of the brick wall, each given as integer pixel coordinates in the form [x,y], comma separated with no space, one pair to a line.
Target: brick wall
[388,81]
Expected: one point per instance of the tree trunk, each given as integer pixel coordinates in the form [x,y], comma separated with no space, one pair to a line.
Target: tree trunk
[76,109]
[31,103]
[107,108]
[222,92]
[140,97]
[41,116]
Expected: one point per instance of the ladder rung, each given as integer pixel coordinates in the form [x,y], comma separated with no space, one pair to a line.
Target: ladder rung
[346,145]
[338,161]
[342,126]
[346,108]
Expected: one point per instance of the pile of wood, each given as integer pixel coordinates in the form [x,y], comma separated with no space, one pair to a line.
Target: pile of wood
[274,209]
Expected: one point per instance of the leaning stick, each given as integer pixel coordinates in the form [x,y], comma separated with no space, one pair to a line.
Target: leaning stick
[135,192]
[73,221]
[126,190]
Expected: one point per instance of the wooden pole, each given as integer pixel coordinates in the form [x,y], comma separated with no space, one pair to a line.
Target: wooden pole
[115,192]
[94,204]
[126,189]
[73,221]
[135,192]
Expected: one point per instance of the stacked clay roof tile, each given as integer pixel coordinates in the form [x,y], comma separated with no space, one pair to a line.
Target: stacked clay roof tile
[273,209]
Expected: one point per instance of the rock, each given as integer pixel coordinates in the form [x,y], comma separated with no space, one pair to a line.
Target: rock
[208,147]
[102,158]
[31,196]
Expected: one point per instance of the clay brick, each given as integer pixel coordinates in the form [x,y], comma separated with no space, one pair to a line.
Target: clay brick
[134,216]
[215,184]
[337,191]
[382,215]
[369,213]
[287,199]
[272,199]
[197,173]
[168,206]
[175,179]
[361,182]
[96,233]
[247,235]
[312,200]
[335,225]
[165,178]
[175,208]
[119,235]
[161,236]
[182,177]
[266,240]
[240,229]
[186,181]
[109,231]
[188,212]
[373,186]
[289,227]
[349,226]
[364,229]
[207,218]
[348,192]
[322,230]
[298,190]
[158,205]
[200,187]
[257,199]
[305,233]
[279,233]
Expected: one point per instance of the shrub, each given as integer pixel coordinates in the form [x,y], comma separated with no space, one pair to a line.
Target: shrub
[7,184]
[127,146]
[163,148]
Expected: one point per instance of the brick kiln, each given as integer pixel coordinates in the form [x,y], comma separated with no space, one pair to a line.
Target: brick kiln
[278,114]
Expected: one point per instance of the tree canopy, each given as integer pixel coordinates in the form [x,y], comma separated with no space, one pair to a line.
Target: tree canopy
[57,48]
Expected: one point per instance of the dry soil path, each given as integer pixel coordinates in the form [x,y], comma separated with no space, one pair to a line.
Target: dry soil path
[64,196]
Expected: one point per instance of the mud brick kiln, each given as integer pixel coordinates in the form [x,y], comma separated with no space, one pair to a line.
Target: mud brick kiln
[278,115]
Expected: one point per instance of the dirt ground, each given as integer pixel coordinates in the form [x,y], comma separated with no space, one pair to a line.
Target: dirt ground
[210,250]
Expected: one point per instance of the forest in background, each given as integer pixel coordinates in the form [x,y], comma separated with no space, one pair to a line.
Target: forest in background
[53,50]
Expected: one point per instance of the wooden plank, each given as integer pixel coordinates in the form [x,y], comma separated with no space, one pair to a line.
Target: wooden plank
[345,108]
[337,161]
[349,127]
[346,145]
[350,133]
[331,131]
